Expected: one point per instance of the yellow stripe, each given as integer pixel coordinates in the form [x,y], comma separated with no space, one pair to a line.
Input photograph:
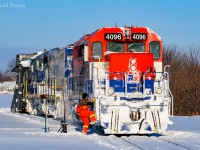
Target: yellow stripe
[92,115]
[55,91]
[85,126]
[26,90]
[84,107]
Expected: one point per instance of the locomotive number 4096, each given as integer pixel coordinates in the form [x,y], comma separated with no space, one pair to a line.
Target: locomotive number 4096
[113,36]
[139,36]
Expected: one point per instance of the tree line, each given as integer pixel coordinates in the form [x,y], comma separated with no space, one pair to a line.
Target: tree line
[8,75]
[5,77]
[184,77]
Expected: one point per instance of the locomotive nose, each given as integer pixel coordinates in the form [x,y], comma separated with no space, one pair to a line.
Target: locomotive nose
[130,63]
[127,70]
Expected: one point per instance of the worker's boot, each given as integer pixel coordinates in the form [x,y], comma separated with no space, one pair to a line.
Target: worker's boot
[93,119]
[85,129]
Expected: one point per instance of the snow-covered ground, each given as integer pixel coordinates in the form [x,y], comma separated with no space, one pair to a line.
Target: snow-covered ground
[26,132]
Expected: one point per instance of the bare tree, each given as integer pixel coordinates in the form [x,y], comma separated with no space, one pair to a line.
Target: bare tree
[185,78]
[5,77]
[1,76]
[10,66]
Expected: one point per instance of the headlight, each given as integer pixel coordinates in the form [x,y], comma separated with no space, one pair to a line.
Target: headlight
[158,90]
[133,61]
[105,66]
[110,91]
[148,91]
[133,68]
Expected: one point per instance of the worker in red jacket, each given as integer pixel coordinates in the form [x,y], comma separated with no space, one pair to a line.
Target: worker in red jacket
[86,115]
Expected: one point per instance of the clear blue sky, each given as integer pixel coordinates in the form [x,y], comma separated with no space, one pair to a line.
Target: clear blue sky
[40,24]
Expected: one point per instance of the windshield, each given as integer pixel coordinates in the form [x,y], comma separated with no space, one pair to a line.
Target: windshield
[115,47]
[136,47]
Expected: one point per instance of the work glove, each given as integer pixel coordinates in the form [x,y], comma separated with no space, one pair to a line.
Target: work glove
[94,99]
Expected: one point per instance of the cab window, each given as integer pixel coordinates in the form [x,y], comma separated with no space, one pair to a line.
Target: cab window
[39,64]
[136,47]
[155,49]
[115,47]
[97,50]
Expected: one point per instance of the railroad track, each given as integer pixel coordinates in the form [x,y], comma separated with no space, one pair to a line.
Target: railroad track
[174,143]
[136,143]
[127,140]
[131,143]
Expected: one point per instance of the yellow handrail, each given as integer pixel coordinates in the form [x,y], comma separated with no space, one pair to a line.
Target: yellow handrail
[26,90]
[55,91]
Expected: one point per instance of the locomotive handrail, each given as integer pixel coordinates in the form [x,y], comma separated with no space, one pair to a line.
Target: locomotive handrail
[167,73]
[107,82]
[172,103]
[94,57]
[93,70]
[106,86]
[109,52]
[143,77]
[167,66]
[125,74]
[125,80]
[167,80]
[170,94]
[116,72]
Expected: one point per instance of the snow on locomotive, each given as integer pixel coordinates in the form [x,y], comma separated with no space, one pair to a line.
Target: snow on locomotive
[120,66]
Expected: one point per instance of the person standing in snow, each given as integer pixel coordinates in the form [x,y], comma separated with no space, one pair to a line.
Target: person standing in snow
[87,116]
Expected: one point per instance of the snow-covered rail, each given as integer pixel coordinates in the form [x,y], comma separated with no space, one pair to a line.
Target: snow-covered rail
[177,144]
[145,143]
[132,143]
